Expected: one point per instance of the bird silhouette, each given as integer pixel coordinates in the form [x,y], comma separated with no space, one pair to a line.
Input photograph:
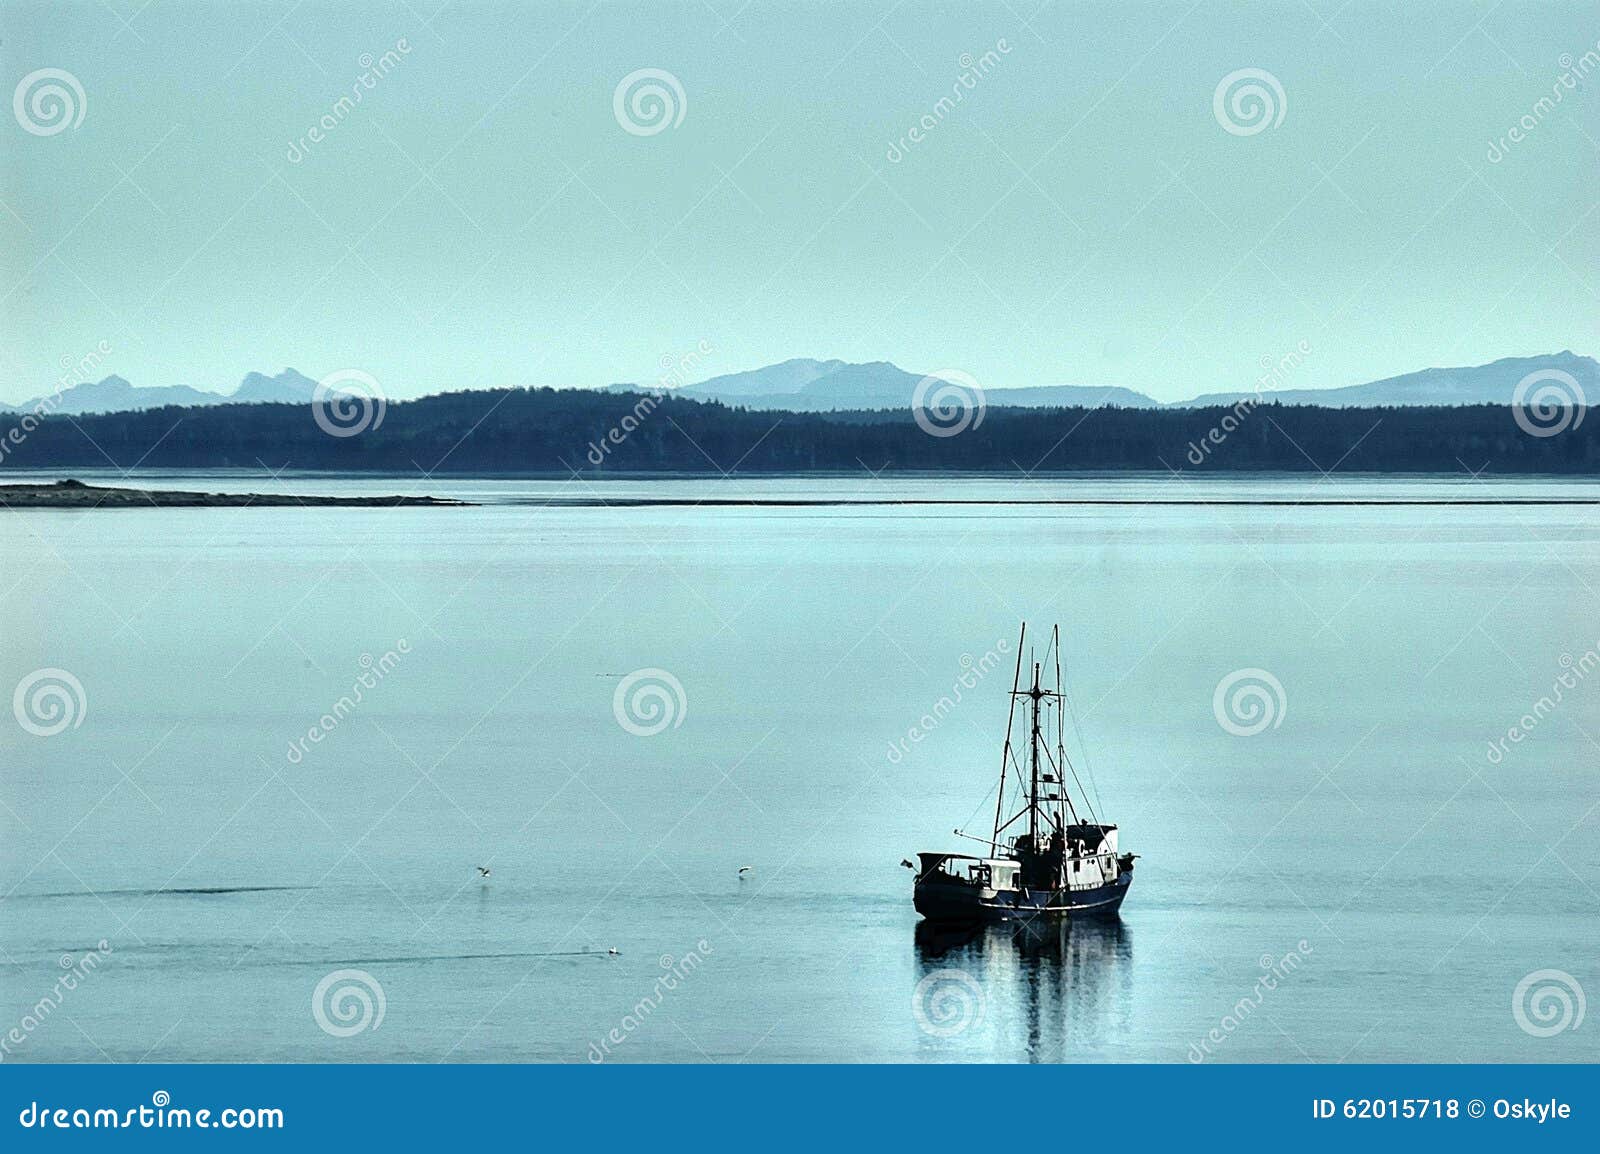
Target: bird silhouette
[745,869]
[483,871]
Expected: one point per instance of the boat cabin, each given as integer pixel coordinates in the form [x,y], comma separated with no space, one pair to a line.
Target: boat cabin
[986,872]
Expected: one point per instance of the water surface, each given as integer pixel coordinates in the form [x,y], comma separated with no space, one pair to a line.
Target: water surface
[1415,879]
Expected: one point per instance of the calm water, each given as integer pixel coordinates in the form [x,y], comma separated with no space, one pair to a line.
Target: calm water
[1414,880]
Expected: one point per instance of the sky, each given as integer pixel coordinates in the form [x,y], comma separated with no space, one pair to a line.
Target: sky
[1087,212]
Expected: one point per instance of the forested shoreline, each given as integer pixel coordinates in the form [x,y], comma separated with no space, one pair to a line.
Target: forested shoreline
[596,433]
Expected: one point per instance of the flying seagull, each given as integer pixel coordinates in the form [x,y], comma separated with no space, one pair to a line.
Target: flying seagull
[745,869]
[483,871]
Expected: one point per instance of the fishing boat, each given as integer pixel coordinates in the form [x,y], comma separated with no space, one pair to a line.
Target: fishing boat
[1049,854]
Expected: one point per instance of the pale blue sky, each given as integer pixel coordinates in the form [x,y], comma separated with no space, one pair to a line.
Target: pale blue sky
[481,218]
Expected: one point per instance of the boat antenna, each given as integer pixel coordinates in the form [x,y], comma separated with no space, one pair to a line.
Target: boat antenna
[1063,798]
[1061,746]
[1088,767]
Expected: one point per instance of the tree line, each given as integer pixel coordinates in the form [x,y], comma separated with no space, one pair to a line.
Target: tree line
[596,433]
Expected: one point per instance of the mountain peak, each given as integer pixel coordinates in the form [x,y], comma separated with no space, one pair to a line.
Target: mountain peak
[288,386]
[782,379]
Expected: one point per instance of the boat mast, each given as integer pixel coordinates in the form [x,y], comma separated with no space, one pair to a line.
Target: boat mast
[1005,753]
[1045,769]
[1033,790]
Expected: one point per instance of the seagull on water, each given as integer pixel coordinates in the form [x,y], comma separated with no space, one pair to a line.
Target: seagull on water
[613,950]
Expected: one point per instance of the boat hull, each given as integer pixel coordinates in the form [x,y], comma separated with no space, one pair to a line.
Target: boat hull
[952,901]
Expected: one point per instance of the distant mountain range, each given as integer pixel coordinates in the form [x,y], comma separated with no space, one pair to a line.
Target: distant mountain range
[805,385]
[1491,384]
[824,386]
[116,395]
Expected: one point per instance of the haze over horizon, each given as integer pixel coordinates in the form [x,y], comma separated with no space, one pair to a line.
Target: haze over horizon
[487,214]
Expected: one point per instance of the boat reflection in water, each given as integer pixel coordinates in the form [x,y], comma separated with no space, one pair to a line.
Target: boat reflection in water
[1042,990]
